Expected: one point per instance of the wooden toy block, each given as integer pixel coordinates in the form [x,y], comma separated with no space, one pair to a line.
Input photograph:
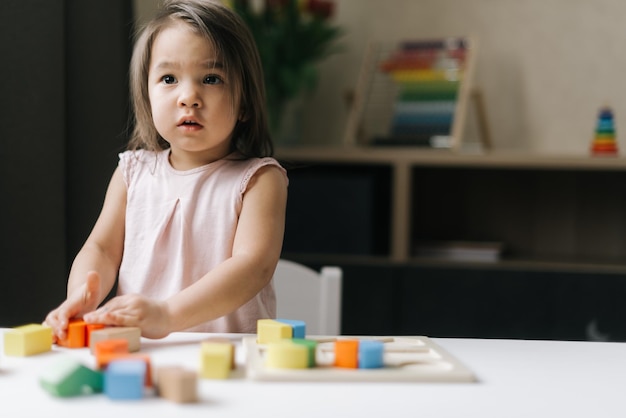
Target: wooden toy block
[132,334]
[105,359]
[347,353]
[27,340]
[270,330]
[68,377]
[215,360]
[311,347]
[110,346]
[124,380]
[76,335]
[177,384]
[223,340]
[298,327]
[90,329]
[371,354]
[104,350]
[406,359]
[286,354]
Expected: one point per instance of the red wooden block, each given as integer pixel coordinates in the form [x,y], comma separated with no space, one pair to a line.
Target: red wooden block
[90,328]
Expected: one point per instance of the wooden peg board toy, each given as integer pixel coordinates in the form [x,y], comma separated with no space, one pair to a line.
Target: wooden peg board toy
[406,359]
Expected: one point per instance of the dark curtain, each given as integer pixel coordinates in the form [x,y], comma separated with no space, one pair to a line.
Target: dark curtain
[63,117]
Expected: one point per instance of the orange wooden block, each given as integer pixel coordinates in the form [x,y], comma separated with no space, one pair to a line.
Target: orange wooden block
[76,334]
[103,348]
[347,353]
[104,359]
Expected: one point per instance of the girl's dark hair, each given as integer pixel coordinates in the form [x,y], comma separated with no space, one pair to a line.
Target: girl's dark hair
[233,42]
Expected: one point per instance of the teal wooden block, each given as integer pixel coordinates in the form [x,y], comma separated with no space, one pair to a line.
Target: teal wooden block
[68,377]
[298,327]
[124,379]
[371,354]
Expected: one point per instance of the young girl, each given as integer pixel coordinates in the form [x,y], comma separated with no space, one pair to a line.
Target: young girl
[193,219]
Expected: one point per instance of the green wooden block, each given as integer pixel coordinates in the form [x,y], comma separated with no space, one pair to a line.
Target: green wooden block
[310,346]
[68,377]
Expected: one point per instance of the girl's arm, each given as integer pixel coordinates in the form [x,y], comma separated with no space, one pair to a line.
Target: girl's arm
[95,267]
[256,250]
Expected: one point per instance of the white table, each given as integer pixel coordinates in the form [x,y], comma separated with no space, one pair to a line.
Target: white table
[516,379]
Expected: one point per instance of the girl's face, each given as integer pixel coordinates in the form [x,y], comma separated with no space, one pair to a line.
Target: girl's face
[189,95]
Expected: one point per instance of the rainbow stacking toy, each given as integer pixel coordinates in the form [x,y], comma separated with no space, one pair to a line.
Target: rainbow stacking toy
[604,142]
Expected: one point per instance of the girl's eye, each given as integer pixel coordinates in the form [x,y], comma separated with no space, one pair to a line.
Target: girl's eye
[212,79]
[168,79]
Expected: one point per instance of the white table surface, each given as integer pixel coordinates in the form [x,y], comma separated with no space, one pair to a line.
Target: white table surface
[516,379]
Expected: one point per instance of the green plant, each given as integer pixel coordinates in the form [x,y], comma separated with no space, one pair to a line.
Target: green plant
[292,37]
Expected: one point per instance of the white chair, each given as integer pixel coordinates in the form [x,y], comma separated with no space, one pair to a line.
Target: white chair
[310,296]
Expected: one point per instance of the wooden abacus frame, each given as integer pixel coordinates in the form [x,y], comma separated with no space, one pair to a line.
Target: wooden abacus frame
[370,78]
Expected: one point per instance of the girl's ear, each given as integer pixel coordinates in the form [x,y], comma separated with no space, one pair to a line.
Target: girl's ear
[243,115]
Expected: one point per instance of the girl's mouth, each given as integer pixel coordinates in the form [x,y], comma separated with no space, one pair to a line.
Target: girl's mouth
[189,124]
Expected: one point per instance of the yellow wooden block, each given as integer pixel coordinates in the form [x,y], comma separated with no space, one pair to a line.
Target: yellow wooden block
[215,360]
[287,355]
[27,340]
[271,331]
[223,340]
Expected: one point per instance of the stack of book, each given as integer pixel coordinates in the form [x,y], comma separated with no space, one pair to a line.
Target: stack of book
[472,251]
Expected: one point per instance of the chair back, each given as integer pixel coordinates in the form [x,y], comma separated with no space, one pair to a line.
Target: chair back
[310,296]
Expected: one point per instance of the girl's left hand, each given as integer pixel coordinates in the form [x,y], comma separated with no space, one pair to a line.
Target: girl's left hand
[134,311]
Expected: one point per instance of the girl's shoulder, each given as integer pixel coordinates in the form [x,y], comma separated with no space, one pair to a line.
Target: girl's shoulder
[132,162]
[247,164]
[251,166]
[139,155]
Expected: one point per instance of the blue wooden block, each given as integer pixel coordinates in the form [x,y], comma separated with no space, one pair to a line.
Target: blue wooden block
[124,379]
[298,327]
[371,354]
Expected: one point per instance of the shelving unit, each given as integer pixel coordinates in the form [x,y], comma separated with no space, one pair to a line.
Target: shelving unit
[562,219]
[552,211]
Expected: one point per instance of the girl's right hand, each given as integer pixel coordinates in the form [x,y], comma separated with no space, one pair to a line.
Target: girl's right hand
[82,300]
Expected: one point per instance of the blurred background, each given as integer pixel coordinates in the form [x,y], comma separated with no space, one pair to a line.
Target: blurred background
[544,67]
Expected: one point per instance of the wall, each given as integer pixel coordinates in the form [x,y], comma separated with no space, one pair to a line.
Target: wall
[545,66]
[62,122]
[32,125]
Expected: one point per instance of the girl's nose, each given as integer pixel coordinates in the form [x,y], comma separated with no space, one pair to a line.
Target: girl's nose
[189,98]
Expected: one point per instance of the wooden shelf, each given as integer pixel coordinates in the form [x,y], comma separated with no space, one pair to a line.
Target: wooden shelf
[434,157]
[543,265]
[573,214]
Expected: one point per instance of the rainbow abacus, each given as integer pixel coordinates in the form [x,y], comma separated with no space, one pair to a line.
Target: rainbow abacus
[604,142]
[427,74]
